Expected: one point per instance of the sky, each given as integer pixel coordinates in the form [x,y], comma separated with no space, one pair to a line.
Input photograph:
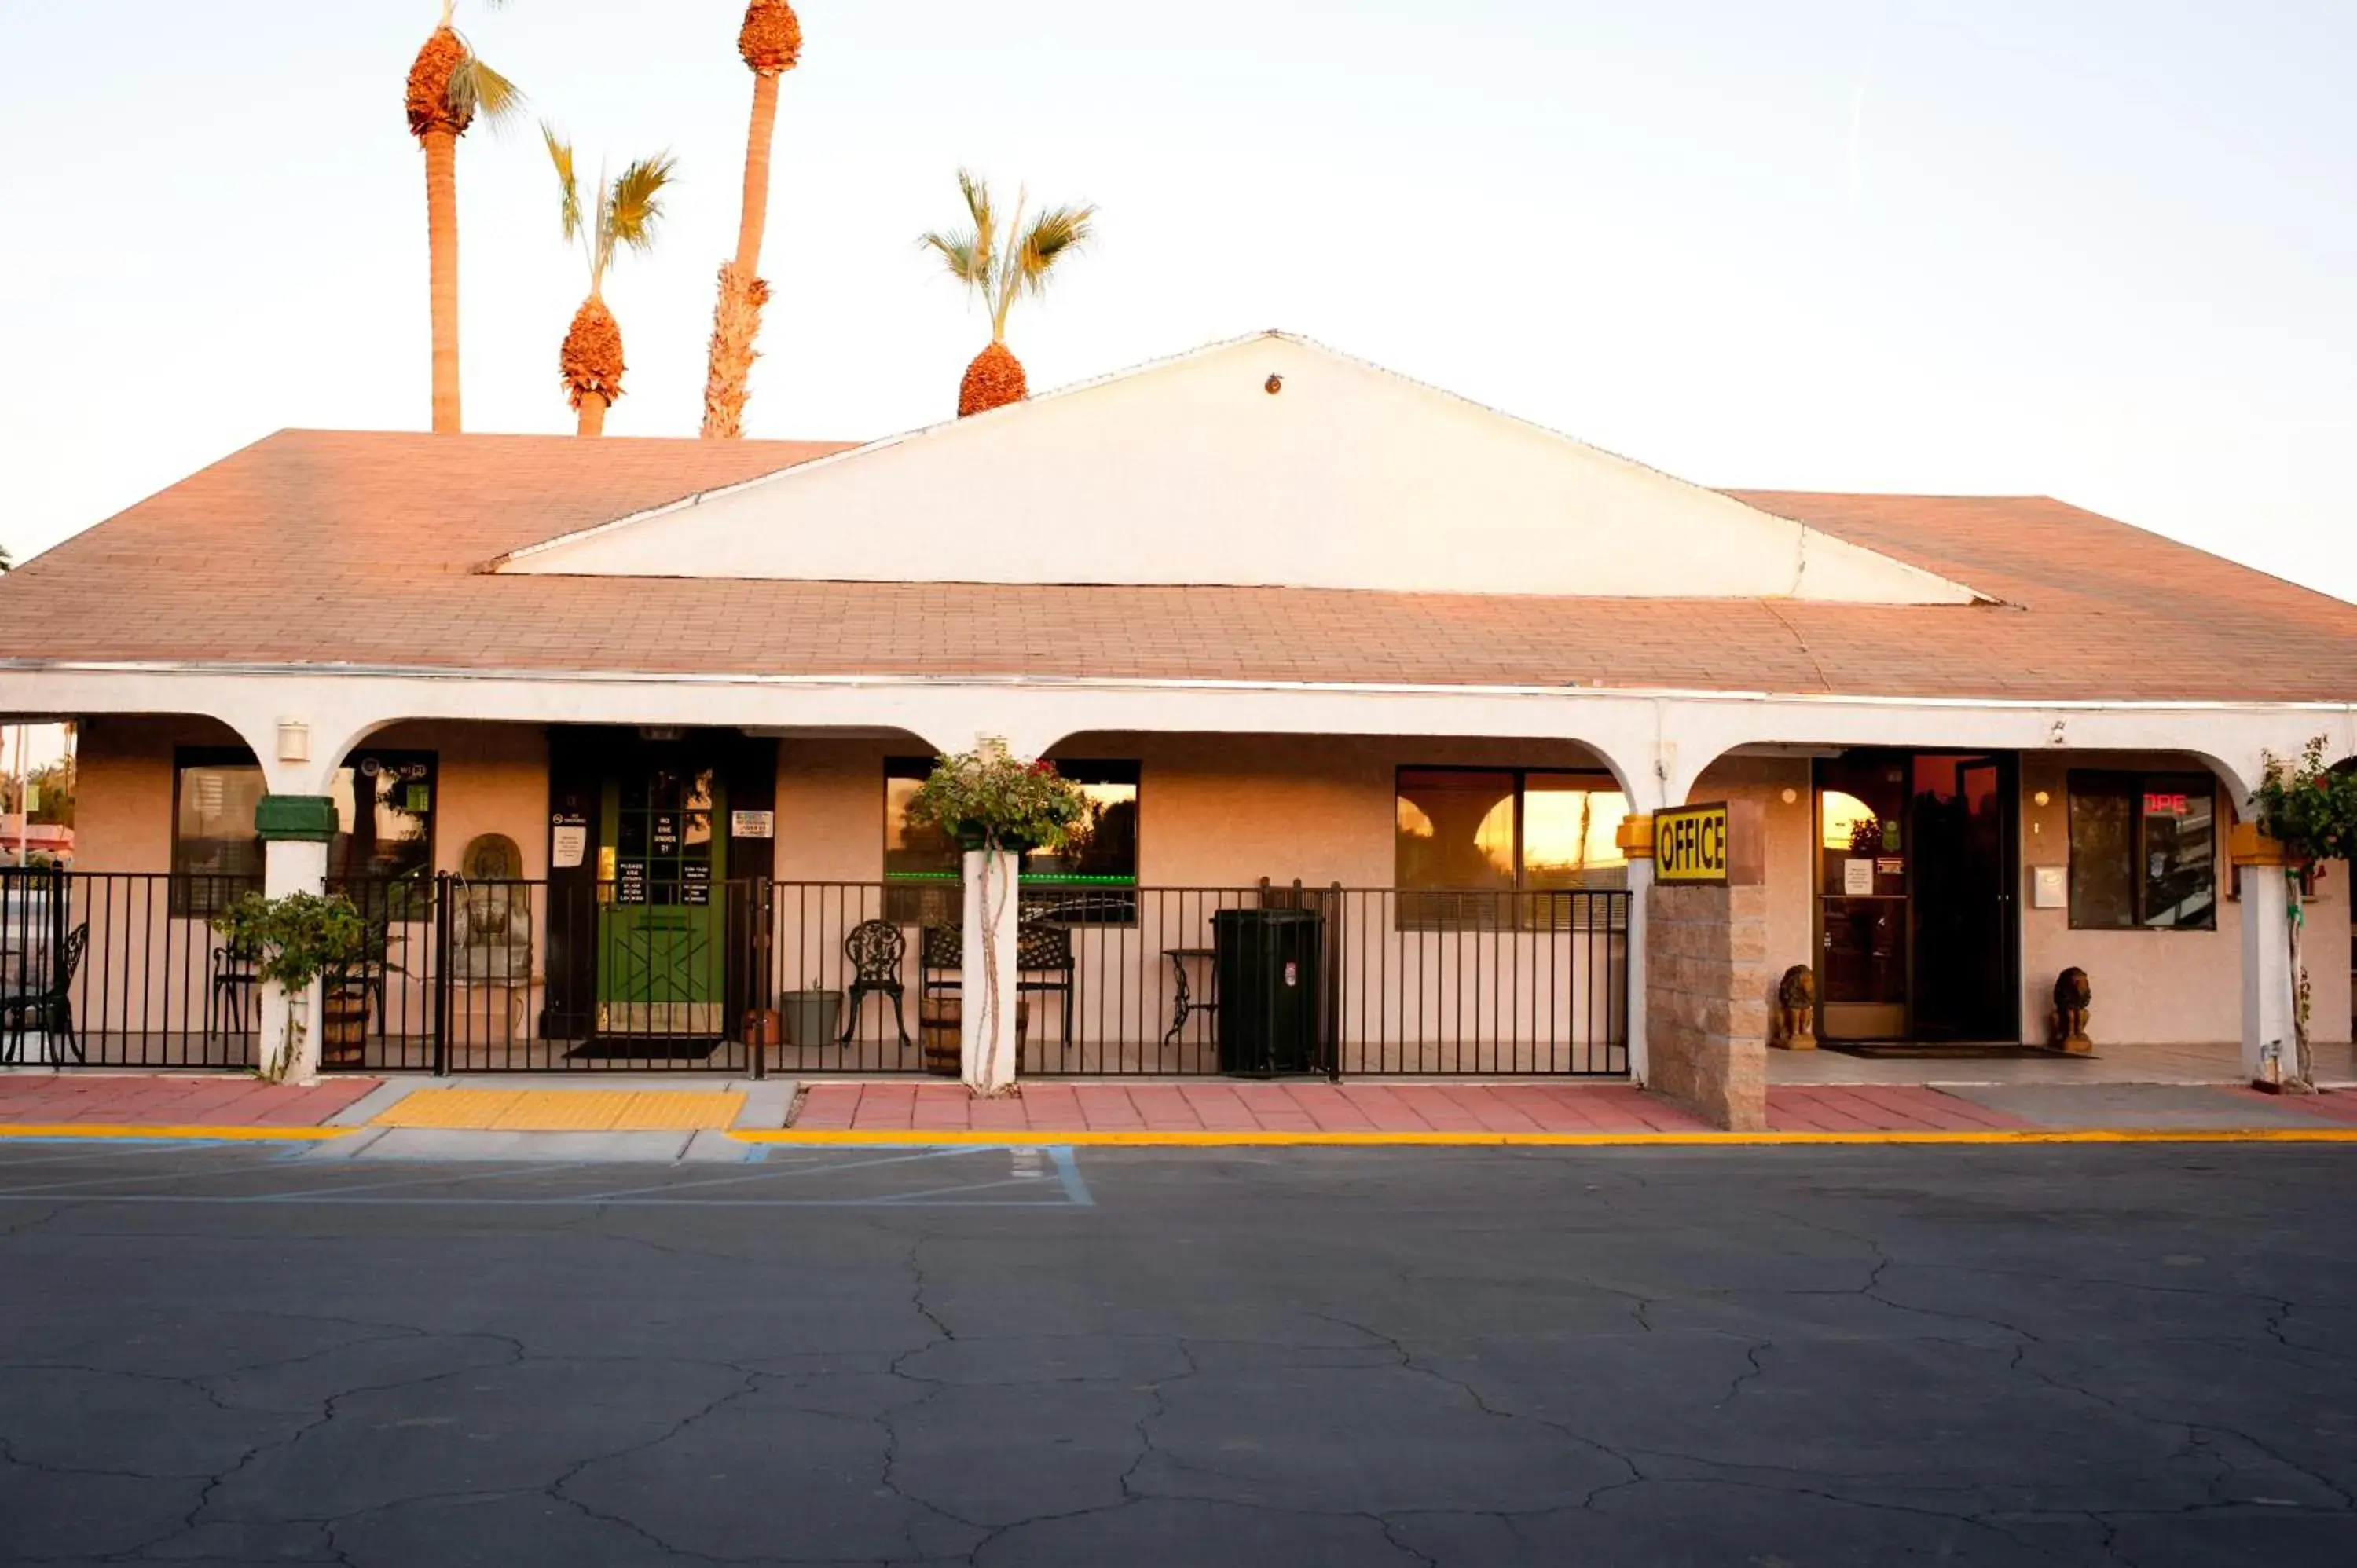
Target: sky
[2100,250]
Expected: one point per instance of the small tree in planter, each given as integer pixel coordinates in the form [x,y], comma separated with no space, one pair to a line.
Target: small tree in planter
[999,806]
[2310,810]
[294,940]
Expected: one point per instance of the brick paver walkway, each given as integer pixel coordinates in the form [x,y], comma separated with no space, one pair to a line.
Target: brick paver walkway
[156,1101]
[1311,1107]
[1879,1108]
[1222,1105]
[2335,1105]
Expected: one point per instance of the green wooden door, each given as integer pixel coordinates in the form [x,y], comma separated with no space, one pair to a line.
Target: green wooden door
[662,918]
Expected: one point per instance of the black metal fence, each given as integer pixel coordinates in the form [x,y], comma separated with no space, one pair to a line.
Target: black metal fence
[752,977]
[1369,982]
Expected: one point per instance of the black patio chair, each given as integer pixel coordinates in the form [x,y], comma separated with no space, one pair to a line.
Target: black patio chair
[874,949]
[49,1010]
[230,983]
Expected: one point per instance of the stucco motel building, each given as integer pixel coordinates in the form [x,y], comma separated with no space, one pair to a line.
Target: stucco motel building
[612,742]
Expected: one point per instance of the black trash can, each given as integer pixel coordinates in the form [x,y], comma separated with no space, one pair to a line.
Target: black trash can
[1269,963]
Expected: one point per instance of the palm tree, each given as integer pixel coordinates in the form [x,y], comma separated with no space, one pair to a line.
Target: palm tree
[5,566]
[771,42]
[998,271]
[628,209]
[449,86]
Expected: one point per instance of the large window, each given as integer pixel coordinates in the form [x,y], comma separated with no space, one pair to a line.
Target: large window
[1465,838]
[216,856]
[385,826]
[1092,880]
[2143,852]
[384,817]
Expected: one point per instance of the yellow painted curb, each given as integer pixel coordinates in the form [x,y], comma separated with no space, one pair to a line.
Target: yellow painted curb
[920,1137]
[174,1131]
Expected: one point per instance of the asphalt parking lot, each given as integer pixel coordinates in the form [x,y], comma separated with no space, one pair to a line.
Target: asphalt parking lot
[2141,1355]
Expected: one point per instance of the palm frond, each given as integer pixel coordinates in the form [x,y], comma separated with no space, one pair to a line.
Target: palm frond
[560,153]
[634,204]
[966,257]
[977,192]
[477,92]
[1052,234]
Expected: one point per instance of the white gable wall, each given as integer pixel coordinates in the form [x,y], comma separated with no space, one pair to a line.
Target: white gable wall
[1191,472]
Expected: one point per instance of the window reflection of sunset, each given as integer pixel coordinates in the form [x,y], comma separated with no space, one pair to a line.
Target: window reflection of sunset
[1572,830]
[1844,814]
[1413,820]
[1495,837]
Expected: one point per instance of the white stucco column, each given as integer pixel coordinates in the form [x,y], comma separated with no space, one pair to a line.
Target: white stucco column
[1641,882]
[292,866]
[2269,1047]
[988,1048]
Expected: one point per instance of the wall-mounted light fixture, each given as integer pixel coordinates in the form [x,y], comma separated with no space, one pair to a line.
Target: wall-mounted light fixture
[1274,385]
[294,741]
[2043,799]
[1792,796]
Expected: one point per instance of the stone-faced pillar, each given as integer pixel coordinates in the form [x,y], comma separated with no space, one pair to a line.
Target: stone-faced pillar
[1707,982]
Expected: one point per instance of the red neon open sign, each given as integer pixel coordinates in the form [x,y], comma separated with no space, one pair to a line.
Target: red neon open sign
[2164,805]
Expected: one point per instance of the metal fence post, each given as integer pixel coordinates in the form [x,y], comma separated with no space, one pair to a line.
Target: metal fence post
[442,974]
[1337,955]
[756,1041]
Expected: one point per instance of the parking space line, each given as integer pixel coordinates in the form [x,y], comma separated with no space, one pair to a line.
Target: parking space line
[781,1173]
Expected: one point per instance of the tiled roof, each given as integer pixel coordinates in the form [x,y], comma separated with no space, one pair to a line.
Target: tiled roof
[365,549]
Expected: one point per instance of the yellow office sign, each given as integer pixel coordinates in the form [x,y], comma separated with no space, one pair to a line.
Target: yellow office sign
[1691,846]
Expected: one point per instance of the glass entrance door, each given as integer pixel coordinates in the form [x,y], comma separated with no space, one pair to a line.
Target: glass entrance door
[1915,874]
[661,961]
[1862,896]
[1962,900]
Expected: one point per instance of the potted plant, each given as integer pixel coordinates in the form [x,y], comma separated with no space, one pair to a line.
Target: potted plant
[988,798]
[295,940]
[998,807]
[2309,812]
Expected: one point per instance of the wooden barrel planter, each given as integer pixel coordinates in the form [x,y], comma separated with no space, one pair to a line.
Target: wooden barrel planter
[343,1026]
[941,1020]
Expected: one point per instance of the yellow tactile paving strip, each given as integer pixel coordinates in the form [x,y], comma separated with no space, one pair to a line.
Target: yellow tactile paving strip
[564,1110]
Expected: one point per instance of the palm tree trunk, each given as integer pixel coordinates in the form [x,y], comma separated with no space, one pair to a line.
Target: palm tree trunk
[442,243]
[593,416]
[737,314]
[753,221]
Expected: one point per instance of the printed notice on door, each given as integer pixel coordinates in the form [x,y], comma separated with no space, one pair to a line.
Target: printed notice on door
[1858,879]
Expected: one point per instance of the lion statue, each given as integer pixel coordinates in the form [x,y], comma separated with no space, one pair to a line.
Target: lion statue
[2072,997]
[1796,1009]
